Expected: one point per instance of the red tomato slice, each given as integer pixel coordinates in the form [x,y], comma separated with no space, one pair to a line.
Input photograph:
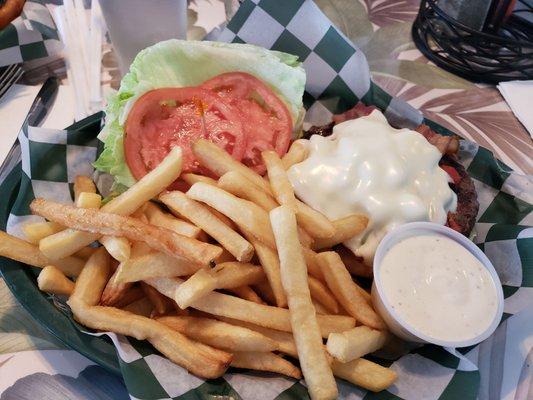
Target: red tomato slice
[164,118]
[266,120]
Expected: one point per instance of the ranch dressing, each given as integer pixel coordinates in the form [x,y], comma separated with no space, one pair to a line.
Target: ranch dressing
[366,166]
[438,287]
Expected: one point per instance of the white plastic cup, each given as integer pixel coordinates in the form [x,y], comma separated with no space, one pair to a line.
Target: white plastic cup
[134,25]
[391,317]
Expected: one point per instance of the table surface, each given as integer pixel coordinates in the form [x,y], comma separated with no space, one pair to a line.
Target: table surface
[382,30]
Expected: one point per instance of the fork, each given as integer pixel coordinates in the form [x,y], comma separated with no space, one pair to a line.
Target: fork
[9,76]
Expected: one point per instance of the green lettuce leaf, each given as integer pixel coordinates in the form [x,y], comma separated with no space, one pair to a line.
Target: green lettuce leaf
[178,63]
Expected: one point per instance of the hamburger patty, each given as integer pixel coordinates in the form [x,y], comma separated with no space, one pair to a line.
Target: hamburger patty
[464,217]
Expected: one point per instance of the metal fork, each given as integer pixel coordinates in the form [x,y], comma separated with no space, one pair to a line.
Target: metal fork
[9,76]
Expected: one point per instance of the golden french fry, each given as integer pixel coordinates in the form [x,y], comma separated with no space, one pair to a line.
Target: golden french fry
[319,308]
[246,293]
[24,252]
[279,182]
[88,200]
[69,241]
[194,288]
[314,222]
[154,265]
[142,307]
[85,252]
[118,247]
[117,225]
[165,220]
[36,231]
[203,218]
[235,274]
[321,293]
[237,184]
[220,334]
[219,162]
[355,343]
[115,292]
[265,291]
[345,289]
[316,370]
[284,340]
[364,373]
[270,262]
[249,217]
[128,296]
[226,256]
[312,264]
[233,307]
[52,280]
[353,264]
[296,154]
[83,184]
[161,304]
[191,179]
[269,362]
[92,280]
[345,228]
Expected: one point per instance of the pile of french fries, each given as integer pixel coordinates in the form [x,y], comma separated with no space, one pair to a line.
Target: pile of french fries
[234,272]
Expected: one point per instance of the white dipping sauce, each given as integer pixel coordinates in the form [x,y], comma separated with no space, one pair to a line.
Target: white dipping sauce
[438,287]
[367,166]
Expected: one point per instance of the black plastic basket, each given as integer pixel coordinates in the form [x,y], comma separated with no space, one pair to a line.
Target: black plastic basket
[475,55]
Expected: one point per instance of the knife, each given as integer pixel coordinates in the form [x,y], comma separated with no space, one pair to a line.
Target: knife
[38,111]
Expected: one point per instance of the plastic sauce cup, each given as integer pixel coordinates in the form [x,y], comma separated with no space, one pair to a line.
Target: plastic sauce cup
[393,320]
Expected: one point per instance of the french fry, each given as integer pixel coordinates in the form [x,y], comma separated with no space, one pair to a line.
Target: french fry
[115,292]
[24,252]
[220,334]
[194,288]
[69,241]
[355,343]
[366,374]
[130,295]
[161,304]
[296,154]
[104,223]
[191,179]
[321,293]
[154,265]
[165,220]
[269,362]
[36,231]
[314,222]
[249,217]
[279,182]
[88,200]
[246,293]
[312,264]
[233,307]
[52,280]
[92,280]
[284,340]
[234,274]
[85,252]
[83,184]
[270,262]
[345,228]
[118,247]
[345,289]
[142,307]
[219,162]
[317,373]
[265,291]
[226,256]
[354,265]
[203,218]
[319,308]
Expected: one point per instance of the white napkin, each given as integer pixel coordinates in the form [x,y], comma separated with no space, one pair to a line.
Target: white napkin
[16,103]
[519,96]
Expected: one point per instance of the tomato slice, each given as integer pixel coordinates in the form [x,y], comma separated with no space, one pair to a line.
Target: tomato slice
[168,117]
[267,122]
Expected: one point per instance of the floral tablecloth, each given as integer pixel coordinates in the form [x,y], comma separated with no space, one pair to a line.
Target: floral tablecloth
[33,363]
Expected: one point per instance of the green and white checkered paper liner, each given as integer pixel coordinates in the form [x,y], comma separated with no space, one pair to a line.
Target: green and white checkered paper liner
[338,77]
[32,35]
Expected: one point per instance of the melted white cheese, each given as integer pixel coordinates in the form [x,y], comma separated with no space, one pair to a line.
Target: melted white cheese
[367,166]
[439,288]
